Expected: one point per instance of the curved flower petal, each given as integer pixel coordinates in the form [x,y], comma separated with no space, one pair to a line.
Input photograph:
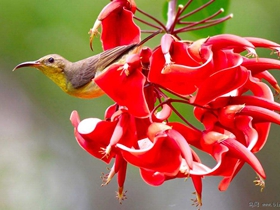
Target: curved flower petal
[191,135]
[240,151]
[224,184]
[163,156]
[91,137]
[179,75]
[264,43]
[260,64]
[152,177]
[125,90]
[229,79]
[228,41]
[119,29]
[244,124]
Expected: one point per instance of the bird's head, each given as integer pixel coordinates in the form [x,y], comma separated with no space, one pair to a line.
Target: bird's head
[49,64]
[53,66]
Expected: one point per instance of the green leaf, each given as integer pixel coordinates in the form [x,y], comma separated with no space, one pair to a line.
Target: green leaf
[202,14]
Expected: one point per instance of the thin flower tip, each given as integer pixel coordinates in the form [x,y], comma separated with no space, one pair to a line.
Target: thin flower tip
[260,182]
[197,201]
[106,178]
[277,89]
[74,118]
[120,195]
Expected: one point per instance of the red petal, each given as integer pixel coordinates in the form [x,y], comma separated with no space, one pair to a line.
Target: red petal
[191,135]
[240,151]
[152,177]
[261,114]
[228,41]
[109,8]
[183,145]
[142,125]
[259,89]
[163,156]
[120,168]
[264,43]
[91,136]
[229,80]
[255,101]
[244,124]
[224,184]
[197,182]
[263,132]
[225,164]
[125,90]
[75,119]
[181,77]
[110,111]
[261,64]
[119,29]
[269,78]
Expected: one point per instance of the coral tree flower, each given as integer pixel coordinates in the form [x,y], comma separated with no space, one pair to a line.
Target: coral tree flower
[212,74]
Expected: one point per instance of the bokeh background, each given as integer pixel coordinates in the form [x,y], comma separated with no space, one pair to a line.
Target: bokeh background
[41,165]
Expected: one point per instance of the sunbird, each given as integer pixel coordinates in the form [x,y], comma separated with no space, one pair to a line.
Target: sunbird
[76,78]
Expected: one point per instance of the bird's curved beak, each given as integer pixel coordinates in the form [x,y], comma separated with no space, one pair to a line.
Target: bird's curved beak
[33,64]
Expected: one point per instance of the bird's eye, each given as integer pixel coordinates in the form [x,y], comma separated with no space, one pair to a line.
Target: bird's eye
[51,59]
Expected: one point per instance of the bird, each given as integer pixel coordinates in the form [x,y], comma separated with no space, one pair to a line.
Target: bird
[76,78]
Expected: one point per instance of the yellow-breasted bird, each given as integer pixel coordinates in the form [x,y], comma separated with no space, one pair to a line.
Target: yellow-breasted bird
[76,78]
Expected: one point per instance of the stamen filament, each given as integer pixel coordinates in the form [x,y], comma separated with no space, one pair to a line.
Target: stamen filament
[147,23]
[196,10]
[153,18]
[148,31]
[203,20]
[184,29]
[186,6]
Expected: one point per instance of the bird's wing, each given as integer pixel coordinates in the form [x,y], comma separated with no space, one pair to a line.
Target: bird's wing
[85,70]
[110,56]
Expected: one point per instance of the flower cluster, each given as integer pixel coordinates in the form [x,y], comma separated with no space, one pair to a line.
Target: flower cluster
[220,76]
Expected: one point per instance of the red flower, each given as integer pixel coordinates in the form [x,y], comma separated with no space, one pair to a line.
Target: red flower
[118,27]
[165,155]
[88,134]
[210,74]
[99,138]
[125,85]
[145,127]
[162,151]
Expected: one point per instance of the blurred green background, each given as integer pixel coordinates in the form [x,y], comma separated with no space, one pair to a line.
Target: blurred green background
[42,166]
